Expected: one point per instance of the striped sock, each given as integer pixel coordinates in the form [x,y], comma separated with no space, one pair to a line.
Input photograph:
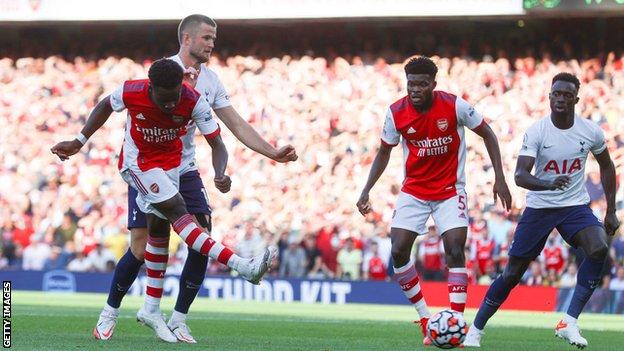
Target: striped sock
[201,242]
[156,256]
[458,288]
[407,277]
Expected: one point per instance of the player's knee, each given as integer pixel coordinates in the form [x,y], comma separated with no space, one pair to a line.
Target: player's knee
[598,252]
[400,257]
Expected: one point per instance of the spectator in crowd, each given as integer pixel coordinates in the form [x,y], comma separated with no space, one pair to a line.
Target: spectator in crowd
[293,262]
[498,226]
[314,264]
[373,266]
[36,254]
[80,263]
[489,274]
[65,232]
[555,254]
[617,283]
[349,261]
[482,251]
[99,258]
[431,256]
[568,278]
[534,276]
[501,255]
[58,259]
[617,248]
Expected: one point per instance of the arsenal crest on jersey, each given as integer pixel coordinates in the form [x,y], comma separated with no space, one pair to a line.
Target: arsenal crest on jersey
[154,188]
[177,119]
[443,124]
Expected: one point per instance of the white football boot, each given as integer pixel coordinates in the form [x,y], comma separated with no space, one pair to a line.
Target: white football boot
[255,268]
[571,333]
[473,338]
[157,322]
[105,325]
[181,331]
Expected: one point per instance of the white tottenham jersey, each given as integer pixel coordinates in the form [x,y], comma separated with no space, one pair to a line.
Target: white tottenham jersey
[560,152]
[211,89]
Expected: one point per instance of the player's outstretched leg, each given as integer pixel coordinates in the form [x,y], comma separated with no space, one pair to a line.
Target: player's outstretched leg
[251,269]
[125,273]
[593,241]
[406,275]
[156,257]
[497,294]
[191,280]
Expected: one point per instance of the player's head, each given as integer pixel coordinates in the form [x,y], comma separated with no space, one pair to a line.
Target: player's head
[198,34]
[421,73]
[564,93]
[165,82]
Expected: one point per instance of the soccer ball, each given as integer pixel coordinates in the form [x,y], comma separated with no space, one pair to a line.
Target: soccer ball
[447,329]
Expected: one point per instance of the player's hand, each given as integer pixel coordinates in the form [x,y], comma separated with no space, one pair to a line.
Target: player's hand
[501,191]
[64,149]
[285,154]
[560,183]
[611,223]
[223,183]
[190,76]
[364,205]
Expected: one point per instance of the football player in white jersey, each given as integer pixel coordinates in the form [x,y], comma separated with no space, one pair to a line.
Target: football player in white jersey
[197,35]
[557,147]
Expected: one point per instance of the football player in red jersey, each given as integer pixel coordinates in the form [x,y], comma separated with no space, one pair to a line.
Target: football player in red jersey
[158,111]
[430,127]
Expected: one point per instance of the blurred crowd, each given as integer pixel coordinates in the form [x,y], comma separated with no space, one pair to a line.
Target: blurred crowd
[72,214]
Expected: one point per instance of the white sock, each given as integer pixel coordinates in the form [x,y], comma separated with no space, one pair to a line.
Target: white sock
[473,327]
[178,316]
[152,304]
[421,307]
[111,309]
[569,319]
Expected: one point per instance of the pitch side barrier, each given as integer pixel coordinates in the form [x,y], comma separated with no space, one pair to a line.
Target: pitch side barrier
[311,291]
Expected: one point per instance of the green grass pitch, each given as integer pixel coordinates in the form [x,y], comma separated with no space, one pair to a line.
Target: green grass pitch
[43,321]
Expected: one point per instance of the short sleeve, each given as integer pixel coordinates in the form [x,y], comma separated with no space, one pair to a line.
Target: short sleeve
[530,143]
[599,142]
[203,119]
[116,100]
[467,115]
[390,136]
[222,99]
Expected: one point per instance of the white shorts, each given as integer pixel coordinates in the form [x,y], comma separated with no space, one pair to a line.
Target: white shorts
[412,213]
[153,186]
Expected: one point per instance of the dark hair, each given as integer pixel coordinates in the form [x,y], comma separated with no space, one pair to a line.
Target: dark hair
[567,77]
[165,73]
[421,65]
[191,22]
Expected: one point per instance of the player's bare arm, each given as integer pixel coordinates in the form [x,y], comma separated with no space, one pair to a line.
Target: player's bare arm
[244,132]
[500,189]
[219,163]
[379,166]
[525,179]
[607,177]
[96,120]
